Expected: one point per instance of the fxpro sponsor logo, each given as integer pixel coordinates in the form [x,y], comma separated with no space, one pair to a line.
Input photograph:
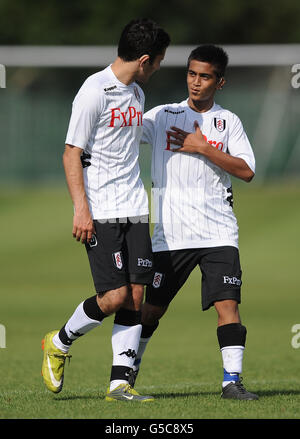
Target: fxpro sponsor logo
[232,280]
[214,143]
[144,263]
[128,118]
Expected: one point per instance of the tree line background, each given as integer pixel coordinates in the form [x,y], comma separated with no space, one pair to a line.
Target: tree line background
[36,104]
[98,22]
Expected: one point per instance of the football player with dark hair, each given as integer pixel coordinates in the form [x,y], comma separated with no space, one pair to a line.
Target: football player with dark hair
[110,205]
[195,224]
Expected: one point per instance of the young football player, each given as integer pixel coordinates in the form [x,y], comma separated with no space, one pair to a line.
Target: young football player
[195,224]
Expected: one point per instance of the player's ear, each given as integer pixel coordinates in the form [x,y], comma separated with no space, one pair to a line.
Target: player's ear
[144,59]
[220,84]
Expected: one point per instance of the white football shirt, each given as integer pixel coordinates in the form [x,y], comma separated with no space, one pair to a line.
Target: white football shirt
[192,197]
[106,122]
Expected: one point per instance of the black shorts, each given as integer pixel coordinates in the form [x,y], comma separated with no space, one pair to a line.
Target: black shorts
[221,274]
[120,253]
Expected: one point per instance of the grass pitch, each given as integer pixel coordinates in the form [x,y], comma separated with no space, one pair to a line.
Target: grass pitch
[45,274]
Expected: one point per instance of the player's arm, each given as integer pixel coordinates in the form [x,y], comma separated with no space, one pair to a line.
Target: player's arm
[83,227]
[86,110]
[195,143]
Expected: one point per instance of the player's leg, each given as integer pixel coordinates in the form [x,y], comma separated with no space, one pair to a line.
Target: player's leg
[151,314]
[88,315]
[227,311]
[171,270]
[111,286]
[221,287]
[137,253]
[125,336]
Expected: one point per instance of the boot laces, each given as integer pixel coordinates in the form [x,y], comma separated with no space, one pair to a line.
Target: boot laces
[240,386]
[61,356]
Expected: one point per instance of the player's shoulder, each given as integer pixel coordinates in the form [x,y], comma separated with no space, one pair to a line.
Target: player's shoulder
[176,108]
[165,109]
[220,112]
[102,81]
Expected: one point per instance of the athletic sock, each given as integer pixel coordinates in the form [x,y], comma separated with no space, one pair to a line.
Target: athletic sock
[125,341]
[230,377]
[86,317]
[146,334]
[232,339]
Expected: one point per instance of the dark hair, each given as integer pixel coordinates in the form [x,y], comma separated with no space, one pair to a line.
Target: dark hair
[211,54]
[142,37]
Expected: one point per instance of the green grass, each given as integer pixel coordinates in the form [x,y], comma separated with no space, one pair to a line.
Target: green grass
[45,274]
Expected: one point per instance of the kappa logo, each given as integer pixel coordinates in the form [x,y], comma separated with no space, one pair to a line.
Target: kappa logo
[220,124]
[157,280]
[118,261]
[174,112]
[130,353]
[93,242]
[110,88]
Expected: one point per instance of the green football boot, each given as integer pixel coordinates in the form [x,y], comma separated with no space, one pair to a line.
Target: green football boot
[53,364]
[124,392]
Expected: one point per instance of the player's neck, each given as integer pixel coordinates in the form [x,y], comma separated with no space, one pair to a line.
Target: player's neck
[201,107]
[124,71]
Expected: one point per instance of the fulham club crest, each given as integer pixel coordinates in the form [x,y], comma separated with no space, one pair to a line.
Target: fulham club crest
[93,241]
[157,280]
[220,124]
[117,258]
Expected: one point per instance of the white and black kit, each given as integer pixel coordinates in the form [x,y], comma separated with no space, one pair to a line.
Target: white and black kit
[106,122]
[120,253]
[193,204]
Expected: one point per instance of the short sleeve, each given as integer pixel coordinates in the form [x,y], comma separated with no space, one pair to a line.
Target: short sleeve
[239,145]
[86,110]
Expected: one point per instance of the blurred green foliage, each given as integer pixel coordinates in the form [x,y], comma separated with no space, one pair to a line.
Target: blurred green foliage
[96,22]
[35,107]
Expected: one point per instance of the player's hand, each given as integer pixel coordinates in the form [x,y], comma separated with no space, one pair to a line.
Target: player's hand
[83,226]
[188,142]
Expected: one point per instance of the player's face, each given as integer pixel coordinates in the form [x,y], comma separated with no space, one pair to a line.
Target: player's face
[147,69]
[202,81]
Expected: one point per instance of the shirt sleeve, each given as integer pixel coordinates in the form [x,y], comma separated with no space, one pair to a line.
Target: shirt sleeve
[86,110]
[239,145]
[150,125]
